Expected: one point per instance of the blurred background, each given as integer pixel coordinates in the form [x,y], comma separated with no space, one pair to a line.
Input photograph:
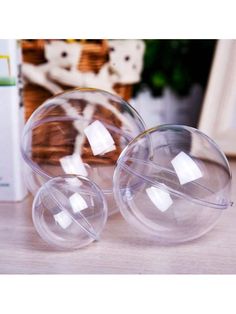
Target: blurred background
[165,80]
[174,80]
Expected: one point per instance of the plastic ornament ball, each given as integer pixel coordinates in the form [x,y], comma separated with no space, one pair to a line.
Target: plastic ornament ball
[173,183]
[69,212]
[80,132]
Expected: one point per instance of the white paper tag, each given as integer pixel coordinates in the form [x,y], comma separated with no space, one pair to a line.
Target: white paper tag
[161,199]
[186,168]
[99,138]
[77,202]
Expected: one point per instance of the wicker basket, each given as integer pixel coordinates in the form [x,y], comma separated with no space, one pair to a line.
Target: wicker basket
[46,149]
[94,55]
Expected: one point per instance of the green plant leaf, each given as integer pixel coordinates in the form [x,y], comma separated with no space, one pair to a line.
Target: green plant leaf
[159,80]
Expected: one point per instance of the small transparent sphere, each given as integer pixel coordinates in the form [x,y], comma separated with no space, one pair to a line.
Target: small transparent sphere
[69,212]
[80,132]
[172,182]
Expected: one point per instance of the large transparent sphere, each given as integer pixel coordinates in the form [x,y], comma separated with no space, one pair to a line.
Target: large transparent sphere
[172,182]
[79,132]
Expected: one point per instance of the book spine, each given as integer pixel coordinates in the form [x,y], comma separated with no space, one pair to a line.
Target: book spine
[12,186]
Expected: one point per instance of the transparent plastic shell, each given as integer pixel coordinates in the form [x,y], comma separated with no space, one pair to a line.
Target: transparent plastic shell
[69,212]
[172,182]
[80,132]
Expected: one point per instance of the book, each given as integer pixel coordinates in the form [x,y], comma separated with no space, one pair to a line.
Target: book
[12,187]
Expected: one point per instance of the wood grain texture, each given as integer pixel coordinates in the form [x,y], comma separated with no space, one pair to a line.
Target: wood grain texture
[121,250]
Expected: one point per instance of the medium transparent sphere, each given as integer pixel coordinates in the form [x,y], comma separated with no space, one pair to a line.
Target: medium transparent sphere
[69,212]
[80,132]
[172,182]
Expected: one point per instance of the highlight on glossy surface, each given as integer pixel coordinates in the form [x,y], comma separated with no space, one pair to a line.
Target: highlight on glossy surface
[172,182]
[82,132]
[69,212]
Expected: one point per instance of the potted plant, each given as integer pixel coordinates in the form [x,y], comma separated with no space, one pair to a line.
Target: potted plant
[173,81]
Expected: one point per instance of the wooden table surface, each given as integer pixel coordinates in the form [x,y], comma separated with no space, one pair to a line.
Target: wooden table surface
[121,250]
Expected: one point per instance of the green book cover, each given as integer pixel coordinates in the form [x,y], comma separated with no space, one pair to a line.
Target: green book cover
[6,77]
[7,81]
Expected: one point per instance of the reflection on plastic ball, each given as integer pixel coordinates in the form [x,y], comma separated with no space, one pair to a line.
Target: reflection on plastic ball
[172,182]
[69,212]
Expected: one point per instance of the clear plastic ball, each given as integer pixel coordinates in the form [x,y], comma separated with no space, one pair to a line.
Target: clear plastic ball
[80,132]
[69,212]
[173,183]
